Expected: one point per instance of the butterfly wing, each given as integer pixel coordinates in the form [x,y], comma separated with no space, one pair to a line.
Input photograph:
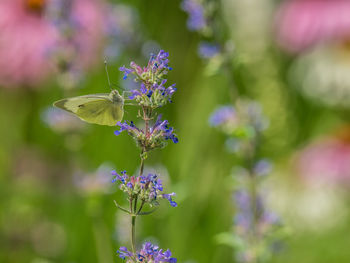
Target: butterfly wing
[97,109]
[100,112]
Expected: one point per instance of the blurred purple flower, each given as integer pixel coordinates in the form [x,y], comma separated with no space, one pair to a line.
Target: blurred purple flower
[262,167]
[121,29]
[195,10]
[243,120]
[94,182]
[61,121]
[81,25]
[304,23]
[224,114]
[253,220]
[208,50]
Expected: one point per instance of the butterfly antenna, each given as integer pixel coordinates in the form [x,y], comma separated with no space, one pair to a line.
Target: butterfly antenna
[106,68]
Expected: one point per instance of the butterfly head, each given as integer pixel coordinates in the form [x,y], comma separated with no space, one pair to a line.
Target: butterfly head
[116,97]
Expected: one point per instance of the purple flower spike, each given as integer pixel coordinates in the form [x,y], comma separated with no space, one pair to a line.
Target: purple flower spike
[148,188]
[195,10]
[152,92]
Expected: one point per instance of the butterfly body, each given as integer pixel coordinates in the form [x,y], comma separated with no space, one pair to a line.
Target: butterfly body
[102,108]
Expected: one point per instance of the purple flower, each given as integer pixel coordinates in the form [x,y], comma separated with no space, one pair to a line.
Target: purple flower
[195,10]
[223,115]
[169,198]
[155,137]
[152,92]
[251,216]
[148,253]
[244,120]
[122,178]
[126,71]
[148,188]
[124,253]
[208,50]
[262,167]
[152,253]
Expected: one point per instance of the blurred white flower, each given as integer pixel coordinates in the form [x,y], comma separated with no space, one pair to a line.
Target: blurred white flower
[323,75]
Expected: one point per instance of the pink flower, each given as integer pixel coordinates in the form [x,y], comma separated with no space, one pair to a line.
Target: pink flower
[24,40]
[304,23]
[29,38]
[327,160]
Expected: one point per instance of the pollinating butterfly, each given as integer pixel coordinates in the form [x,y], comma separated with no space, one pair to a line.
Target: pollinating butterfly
[102,108]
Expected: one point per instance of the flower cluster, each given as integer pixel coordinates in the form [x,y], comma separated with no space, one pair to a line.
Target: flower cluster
[154,137]
[147,188]
[244,120]
[148,254]
[197,20]
[245,216]
[256,229]
[152,93]
[253,221]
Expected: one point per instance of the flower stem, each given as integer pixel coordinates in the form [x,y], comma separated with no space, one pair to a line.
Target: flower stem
[139,211]
[142,164]
[134,199]
[133,229]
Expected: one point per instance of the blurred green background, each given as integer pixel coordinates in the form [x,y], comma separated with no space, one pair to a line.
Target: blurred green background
[46,217]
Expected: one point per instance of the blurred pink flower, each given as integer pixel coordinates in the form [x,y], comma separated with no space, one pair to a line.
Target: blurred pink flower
[303,23]
[327,160]
[24,40]
[28,37]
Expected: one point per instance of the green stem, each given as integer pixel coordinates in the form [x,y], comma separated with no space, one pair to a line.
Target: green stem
[142,164]
[133,229]
[134,199]
[139,211]
[253,191]
[135,205]
[132,226]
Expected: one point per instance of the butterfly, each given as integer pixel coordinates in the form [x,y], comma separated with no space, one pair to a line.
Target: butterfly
[102,108]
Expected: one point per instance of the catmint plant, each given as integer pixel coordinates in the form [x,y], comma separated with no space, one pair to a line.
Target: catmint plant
[201,16]
[254,224]
[256,229]
[145,191]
